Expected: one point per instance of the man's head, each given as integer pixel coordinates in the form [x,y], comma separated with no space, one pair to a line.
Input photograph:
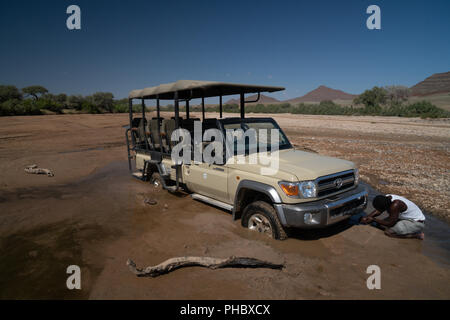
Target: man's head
[381,203]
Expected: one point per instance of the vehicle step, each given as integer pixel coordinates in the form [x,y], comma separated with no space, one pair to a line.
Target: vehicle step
[171,188]
[212,201]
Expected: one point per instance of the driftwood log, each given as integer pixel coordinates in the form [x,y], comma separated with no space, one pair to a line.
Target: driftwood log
[207,262]
[36,170]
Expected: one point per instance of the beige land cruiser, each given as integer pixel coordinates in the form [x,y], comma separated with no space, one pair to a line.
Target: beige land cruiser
[303,190]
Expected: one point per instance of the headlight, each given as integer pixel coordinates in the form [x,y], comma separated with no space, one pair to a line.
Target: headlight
[356,176]
[289,188]
[307,189]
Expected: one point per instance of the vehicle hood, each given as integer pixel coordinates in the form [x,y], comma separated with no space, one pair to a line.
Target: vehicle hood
[299,165]
[309,166]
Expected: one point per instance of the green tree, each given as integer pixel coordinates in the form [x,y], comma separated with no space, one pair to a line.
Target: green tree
[372,99]
[75,102]
[35,91]
[120,106]
[103,100]
[61,99]
[9,93]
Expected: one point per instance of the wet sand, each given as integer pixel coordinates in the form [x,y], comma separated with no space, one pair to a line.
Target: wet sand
[92,214]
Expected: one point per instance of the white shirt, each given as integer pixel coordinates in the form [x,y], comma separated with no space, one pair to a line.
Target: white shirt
[412,212]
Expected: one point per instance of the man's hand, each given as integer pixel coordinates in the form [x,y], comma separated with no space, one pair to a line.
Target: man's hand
[366,220]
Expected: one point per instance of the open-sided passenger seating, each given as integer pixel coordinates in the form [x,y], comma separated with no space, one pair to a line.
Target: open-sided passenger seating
[168,126]
[154,134]
[138,131]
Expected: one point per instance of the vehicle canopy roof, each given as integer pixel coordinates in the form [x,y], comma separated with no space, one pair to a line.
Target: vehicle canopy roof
[193,89]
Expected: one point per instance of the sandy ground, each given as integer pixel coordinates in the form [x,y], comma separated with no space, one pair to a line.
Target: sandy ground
[92,214]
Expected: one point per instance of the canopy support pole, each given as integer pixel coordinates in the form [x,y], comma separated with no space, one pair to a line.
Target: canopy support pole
[159,124]
[220,106]
[256,100]
[130,109]
[177,111]
[143,127]
[242,106]
[187,109]
[177,126]
[203,108]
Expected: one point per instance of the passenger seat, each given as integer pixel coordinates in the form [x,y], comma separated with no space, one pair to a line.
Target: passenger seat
[140,133]
[153,128]
[168,126]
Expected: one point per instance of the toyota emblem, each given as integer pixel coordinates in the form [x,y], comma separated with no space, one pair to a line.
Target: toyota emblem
[338,183]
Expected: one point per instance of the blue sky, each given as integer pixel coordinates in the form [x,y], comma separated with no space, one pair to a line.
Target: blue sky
[124,45]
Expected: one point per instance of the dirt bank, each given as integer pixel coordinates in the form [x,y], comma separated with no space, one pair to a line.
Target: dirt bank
[92,214]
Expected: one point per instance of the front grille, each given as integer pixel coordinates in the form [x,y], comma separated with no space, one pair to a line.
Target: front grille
[347,208]
[332,183]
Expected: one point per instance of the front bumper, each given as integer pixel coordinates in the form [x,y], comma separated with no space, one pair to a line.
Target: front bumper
[326,212]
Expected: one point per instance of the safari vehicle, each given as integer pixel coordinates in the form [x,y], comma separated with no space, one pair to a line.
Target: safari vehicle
[307,191]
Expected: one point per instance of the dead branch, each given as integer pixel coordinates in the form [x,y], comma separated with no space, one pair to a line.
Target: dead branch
[207,262]
[36,170]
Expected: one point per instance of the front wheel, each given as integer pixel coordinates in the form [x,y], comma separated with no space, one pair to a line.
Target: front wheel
[260,216]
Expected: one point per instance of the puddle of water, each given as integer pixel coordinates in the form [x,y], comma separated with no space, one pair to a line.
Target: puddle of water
[35,263]
[63,225]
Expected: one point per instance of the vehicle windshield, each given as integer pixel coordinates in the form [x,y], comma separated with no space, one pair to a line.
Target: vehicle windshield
[256,135]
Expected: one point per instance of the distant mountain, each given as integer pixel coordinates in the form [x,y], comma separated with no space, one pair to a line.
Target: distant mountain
[437,83]
[262,99]
[323,93]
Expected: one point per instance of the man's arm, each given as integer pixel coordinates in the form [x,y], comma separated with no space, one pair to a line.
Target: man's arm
[370,216]
[374,213]
[389,222]
[394,211]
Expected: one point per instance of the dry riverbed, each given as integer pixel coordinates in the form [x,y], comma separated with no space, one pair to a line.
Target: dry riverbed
[92,213]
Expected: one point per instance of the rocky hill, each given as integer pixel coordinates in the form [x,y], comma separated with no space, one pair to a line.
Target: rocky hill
[323,93]
[437,83]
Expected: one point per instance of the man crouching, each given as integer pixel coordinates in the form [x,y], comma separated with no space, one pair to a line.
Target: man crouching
[405,219]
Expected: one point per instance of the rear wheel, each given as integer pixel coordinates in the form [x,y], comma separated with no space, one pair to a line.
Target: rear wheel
[261,216]
[156,181]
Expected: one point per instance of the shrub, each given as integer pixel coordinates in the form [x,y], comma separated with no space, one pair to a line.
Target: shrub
[425,109]
[326,108]
[45,104]
[75,102]
[120,108]
[31,107]
[15,107]
[89,107]
[7,107]
[9,93]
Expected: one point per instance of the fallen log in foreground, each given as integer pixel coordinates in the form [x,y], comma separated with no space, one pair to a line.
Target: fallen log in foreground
[207,262]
